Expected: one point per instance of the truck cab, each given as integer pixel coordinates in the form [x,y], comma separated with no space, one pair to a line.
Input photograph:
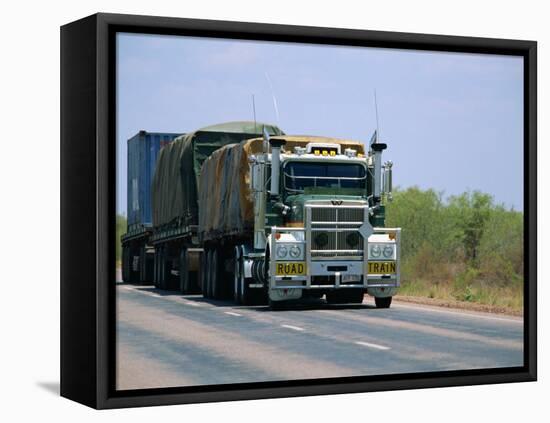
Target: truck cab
[324,230]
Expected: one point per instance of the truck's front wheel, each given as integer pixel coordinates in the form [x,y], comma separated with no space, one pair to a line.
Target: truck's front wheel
[382,302]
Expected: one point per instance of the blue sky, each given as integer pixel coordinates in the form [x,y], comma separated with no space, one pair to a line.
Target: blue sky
[452,121]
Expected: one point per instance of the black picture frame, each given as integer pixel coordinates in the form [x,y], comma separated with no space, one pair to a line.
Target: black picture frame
[88,209]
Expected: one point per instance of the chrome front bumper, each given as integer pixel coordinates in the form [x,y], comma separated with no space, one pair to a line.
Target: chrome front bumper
[329,274]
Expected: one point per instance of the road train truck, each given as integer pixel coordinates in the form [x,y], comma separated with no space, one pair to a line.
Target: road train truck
[289,217]
[241,210]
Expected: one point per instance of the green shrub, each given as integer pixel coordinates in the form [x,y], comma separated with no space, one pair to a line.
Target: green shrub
[464,247]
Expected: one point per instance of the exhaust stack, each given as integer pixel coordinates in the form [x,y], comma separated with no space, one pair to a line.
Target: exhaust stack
[388,183]
[275,164]
[377,149]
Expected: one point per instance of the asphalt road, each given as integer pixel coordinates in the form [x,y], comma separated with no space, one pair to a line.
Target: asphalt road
[166,339]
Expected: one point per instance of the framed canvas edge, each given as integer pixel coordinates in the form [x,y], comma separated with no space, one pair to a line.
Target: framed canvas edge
[78,220]
[107,23]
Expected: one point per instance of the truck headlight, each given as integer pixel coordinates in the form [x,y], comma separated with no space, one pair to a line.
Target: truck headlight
[295,251]
[388,251]
[282,251]
[375,251]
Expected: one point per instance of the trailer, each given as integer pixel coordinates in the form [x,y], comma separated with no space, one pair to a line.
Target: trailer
[137,252]
[174,198]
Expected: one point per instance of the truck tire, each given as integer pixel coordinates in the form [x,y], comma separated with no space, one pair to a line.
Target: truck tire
[382,302]
[215,274]
[209,274]
[149,264]
[165,270]
[247,296]
[185,283]
[202,274]
[157,268]
[124,265]
[155,260]
[160,282]
[170,281]
[142,265]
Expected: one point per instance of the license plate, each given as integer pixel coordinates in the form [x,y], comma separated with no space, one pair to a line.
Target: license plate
[381,267]
[292,268]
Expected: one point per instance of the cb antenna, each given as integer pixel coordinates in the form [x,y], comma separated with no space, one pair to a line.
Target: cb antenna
[376,134]
[376,111]
[274,99]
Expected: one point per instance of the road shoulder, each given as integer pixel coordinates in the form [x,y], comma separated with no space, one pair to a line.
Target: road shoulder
[459,305]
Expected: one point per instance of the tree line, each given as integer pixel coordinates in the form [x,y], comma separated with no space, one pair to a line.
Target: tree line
[464,247]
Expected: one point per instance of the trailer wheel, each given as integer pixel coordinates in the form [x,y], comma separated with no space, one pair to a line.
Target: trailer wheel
[157,267]
[185,285]
[209,274]
[162,270]
[382,302]
[149,261]
[215,274]
[155,263]
[125,264]
[142,265]
[202,273]
[165,270]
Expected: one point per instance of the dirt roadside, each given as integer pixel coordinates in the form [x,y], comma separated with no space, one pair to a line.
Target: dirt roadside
[461,305]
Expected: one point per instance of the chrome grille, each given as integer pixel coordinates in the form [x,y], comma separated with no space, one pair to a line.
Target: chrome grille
[334,231]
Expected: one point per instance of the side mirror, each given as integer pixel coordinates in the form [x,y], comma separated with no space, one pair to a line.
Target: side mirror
[388,183]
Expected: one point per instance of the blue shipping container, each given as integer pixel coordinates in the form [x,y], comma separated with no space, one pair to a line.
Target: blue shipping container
[143,150]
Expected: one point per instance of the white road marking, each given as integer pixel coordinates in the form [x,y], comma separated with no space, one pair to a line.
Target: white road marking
[293,327]
[460,313]
[191,303]
[369,345]
[232,313]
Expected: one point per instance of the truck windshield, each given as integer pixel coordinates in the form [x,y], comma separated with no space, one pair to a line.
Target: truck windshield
[301,175]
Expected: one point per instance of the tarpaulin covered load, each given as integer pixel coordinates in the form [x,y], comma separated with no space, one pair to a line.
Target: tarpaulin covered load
[174,188]
[225,197]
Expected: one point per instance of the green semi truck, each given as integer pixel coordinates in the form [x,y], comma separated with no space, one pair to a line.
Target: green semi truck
[241,210]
